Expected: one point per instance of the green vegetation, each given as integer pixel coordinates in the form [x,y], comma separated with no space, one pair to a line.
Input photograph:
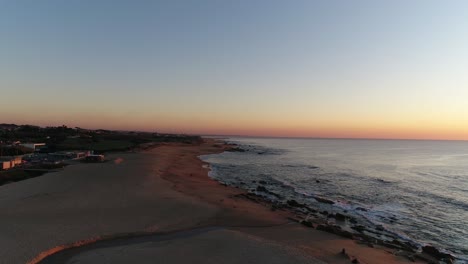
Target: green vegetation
[65,138]
[99,145]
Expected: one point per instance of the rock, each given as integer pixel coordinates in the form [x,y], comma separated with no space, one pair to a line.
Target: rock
[236,149]
[294,203]
[424,257]
[340,217]
[323,200]
[265,190]
[434,252]
[326,228]
[317,181]
[355,260]
[359,228]
[431,250]
[307,223]
[380,228]
[361,209]
[262,182]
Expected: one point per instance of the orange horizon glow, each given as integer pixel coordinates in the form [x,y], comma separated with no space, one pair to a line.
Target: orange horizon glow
[265,128]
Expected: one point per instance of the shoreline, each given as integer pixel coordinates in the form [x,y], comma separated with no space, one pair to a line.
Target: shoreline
[342,224]
[149,193]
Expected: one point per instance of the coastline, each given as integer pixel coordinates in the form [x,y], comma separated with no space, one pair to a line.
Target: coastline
[159,191]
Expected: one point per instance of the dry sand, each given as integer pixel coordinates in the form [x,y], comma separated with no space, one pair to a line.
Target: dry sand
[156,206]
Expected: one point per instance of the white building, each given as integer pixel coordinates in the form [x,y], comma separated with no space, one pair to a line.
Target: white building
[33,146]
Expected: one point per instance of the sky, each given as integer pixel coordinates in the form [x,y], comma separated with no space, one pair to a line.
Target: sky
[301,68]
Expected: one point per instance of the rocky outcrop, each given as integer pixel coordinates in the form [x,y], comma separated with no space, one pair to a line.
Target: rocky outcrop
[323,200]
[437,254]
[294,203]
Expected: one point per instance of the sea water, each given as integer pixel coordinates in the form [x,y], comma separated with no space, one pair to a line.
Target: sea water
[416,189]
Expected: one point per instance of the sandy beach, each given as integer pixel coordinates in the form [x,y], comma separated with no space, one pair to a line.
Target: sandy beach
[149,207]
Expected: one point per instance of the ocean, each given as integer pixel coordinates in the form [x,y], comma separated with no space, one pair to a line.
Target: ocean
[416,190]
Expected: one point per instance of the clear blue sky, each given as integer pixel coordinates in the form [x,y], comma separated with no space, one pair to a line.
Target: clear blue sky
[305,68]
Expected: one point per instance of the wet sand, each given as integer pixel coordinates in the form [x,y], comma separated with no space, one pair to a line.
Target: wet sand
[152,205]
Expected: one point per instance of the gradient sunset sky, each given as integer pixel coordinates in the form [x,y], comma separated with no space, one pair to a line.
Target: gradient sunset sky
[371,69]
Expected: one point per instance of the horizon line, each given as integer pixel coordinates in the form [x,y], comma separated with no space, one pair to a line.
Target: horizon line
[338,138]
[245,136]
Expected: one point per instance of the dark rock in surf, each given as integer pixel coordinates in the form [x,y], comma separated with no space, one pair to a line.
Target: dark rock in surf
[434,252]
[294,203]
[236,149]
[326,228]
[340,217]
[359,228]
[324,200]
[265,190]
[307,223]
[262,182]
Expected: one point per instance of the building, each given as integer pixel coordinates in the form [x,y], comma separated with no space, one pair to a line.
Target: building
[69,155]
[5,165]
[33,146]
[9,162]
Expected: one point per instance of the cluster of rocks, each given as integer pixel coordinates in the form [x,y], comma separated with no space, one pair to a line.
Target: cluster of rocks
[429,254]
[367,235]
[235,149]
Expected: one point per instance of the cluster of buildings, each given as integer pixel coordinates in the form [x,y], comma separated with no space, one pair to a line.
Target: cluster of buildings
[39,157]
